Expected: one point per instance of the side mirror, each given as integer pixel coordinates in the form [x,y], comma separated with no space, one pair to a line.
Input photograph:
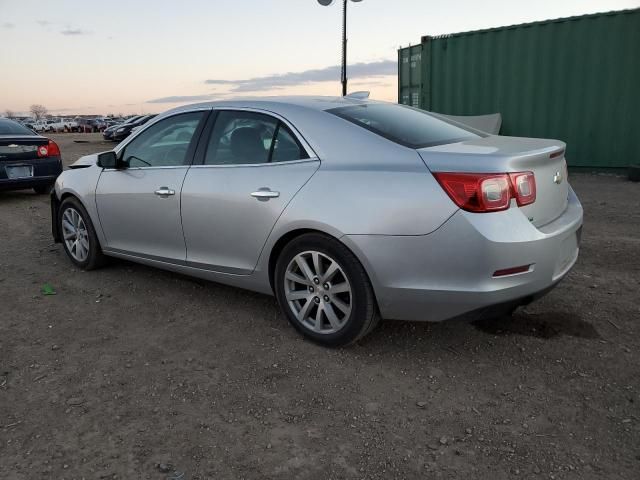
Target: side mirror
[108,160]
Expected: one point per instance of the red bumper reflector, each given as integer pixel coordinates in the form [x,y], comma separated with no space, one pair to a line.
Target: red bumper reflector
[511,271]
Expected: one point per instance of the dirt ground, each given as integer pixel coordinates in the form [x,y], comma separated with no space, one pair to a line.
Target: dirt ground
[134,373]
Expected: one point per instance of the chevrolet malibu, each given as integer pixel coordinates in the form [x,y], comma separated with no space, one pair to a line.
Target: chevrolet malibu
[347,210]
[27,160]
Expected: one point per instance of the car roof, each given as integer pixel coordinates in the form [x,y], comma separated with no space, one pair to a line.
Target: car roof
[320,103]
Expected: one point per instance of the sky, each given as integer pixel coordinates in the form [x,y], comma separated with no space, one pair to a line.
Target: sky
[146,56]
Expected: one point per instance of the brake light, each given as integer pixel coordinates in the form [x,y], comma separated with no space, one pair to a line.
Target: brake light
[49,150]
[557,153]
[488,192]
[524,187]
[54,150]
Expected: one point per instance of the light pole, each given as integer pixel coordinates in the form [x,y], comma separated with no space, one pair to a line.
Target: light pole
[326,3]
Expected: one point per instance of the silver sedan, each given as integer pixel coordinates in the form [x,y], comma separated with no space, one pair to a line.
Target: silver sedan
[347,210]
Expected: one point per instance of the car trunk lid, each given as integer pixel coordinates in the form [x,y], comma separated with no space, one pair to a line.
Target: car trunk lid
[498,154]
[20,147]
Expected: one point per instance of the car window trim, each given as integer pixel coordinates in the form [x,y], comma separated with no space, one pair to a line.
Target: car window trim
[273,142]
[256,165]
[193,143]
[203,141]
[296,135]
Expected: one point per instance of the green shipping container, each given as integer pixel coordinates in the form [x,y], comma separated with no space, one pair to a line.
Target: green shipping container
[576,79]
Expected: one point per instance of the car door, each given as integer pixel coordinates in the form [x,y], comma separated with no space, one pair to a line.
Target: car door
[139,204]
[252,166]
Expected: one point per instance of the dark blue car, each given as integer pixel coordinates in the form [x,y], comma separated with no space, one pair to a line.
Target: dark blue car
[27,160]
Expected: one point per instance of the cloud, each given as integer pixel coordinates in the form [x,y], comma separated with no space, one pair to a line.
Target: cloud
[74,31]
[370,83]
[44,23]
[327,74]
[223,82]
[8,25]
[181,99]
[70,109]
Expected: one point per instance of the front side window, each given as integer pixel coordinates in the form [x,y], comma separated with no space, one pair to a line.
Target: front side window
[245,138]
[164,144]
[407,126]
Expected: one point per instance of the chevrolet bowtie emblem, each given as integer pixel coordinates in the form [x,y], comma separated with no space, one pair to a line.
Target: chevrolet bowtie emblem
[557,178]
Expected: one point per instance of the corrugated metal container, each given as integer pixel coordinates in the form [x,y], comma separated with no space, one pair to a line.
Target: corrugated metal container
[575,79]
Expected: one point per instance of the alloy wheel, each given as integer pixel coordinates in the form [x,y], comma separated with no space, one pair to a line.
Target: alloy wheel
[318,292]
[75,234]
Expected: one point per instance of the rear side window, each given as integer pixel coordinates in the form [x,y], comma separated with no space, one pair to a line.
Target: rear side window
[245,138]
[9,127]
[285,147]
[407,126]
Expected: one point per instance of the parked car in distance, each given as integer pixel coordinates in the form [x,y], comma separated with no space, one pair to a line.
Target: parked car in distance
[99,124]
[107,134]
[347,210]
[61,125]
[36,125]
[27,160]
[124,130]
[90,125]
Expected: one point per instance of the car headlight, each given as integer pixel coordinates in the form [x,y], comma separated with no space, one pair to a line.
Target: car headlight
[120,130]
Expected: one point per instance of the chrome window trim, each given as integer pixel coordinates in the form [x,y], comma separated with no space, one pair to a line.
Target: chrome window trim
[169,167]
[305,145]
[266,164]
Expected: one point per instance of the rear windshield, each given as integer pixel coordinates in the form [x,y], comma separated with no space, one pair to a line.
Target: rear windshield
[9,127]
[407,126]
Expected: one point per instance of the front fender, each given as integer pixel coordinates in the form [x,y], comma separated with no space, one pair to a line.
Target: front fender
[81,183]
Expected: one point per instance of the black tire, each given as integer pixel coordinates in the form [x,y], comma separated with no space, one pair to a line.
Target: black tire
[364,315]
[42,189]
[634,173]
[95,258]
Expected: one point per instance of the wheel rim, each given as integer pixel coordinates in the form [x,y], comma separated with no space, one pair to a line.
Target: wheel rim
[318,292]
[75,234]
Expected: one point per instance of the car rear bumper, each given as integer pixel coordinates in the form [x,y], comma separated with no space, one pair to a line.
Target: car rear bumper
[450,272]
[45,172]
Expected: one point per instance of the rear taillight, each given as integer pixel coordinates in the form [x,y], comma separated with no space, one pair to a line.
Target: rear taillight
[524,187]
[488,192]
[49,150]
[54,150]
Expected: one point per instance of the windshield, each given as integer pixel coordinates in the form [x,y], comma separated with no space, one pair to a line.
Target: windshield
[407,126]
[9,127]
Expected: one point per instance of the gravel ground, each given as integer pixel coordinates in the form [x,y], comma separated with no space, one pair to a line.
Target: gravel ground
[130,372]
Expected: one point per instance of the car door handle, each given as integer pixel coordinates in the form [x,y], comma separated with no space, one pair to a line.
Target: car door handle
[164,192]
[265,194]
